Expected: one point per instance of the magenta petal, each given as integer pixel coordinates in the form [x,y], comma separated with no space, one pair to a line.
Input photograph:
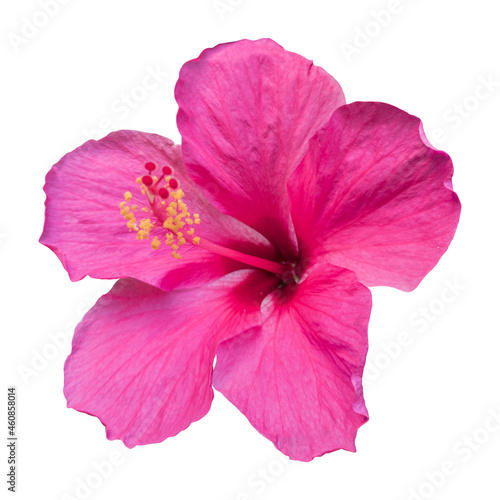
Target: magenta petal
[85,229]
[142,358]
[378,198]
[298,377]
[246,112]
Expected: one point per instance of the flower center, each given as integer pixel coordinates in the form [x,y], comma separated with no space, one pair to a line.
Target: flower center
[168,220]
[289,277]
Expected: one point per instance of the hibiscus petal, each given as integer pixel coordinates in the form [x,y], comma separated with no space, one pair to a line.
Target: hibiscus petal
[246,112]
[298,377]
[84,227]
[142,358]
[375,196]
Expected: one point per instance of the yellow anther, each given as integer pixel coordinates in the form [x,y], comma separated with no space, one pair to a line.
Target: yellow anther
[169,223]
[177,195]
[145,224]
[155,244]
[170,214]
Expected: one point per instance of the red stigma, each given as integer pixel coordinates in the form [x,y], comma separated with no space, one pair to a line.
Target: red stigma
[173,184]
[150,166]
[147,180]
[163,193]
[167,171]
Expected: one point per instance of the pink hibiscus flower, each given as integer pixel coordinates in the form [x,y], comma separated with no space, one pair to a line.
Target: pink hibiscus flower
[255,243]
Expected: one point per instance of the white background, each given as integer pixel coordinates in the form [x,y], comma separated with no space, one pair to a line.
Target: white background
[425,399]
